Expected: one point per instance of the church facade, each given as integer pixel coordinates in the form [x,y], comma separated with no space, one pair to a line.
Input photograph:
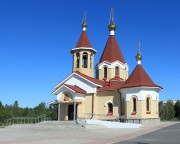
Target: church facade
[112,92]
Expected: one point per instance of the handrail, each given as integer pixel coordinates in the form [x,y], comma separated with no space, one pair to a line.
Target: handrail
[26,120]
[109,116]
[81,121]
[124,119]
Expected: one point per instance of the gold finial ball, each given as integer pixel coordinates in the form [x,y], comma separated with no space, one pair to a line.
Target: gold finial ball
[112,27]
[138,57]
[84,25]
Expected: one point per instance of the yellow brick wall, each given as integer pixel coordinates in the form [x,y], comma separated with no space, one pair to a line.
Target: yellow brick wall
[85,108]
[102,97]
[111,73]
[123,74]
[141,109]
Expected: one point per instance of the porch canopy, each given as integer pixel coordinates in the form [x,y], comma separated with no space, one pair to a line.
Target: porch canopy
[68,94]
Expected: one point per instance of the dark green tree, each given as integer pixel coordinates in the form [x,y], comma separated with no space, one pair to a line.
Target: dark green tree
[167,111]
[16,109]
[170,109]
[52,112]
[1,113]
[28,112]
[40,109]
[177,109]
[8,112]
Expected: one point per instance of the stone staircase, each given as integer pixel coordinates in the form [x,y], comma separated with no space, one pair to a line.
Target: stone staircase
[58,125]
[94,126]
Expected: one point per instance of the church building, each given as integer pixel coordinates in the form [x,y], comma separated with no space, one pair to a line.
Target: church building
[112,93]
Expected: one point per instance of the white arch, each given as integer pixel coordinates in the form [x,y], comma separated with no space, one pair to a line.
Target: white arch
[109,101]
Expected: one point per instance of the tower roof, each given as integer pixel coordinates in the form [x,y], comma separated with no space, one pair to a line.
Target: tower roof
[112,51]
[83,41]
[138,78]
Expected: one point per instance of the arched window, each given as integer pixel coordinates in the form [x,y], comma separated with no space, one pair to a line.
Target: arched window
[105,72]
[110,108]
[117,71]
[85,60]
[77,60]
[147,104]
[134,106]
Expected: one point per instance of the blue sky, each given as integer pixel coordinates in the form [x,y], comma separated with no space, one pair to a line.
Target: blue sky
[36,37]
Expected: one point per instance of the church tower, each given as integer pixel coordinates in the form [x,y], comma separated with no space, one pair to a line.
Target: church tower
[83,53]
[112,65]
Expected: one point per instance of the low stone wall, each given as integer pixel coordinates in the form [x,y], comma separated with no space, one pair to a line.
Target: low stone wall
[112,124]
[154,121]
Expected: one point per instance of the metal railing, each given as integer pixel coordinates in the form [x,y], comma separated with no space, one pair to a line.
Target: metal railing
[123,119]
[26,120]
[80,121]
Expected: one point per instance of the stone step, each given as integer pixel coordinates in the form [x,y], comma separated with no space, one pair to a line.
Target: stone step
[58,125]
[48,127]
[94,126]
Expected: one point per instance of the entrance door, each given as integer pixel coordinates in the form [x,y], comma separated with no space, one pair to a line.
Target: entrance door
[71,112]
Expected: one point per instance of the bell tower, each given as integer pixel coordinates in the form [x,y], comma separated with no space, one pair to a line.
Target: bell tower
[83,53]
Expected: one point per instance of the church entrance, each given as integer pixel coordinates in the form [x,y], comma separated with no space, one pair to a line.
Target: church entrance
[71,112]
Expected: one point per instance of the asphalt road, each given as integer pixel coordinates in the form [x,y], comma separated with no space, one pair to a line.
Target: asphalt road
[170,134]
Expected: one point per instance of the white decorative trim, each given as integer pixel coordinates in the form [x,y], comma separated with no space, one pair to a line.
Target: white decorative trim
[140,92]
[70,76]
[73,95]
[83,48]
[89,81]
[60,83]
[52,102]
[109,101]
[57,90]
[113,65]
[82,83]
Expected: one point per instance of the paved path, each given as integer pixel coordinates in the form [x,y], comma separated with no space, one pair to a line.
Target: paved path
[100,136]
[170,134]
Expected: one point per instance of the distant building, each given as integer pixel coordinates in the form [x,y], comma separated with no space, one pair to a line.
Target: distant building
[112,92]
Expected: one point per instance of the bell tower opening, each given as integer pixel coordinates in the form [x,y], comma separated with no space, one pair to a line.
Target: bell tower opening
[77,60]
[85,60]
[105,72]
[117,71]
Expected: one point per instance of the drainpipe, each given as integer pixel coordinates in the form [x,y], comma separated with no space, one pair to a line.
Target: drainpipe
[92,106]
[121,102]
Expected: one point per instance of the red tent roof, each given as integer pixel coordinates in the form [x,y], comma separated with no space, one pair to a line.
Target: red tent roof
[111,86]
[94,80]
[83,40]
[105,85]
[139,77]
[112,51]
[76,88]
